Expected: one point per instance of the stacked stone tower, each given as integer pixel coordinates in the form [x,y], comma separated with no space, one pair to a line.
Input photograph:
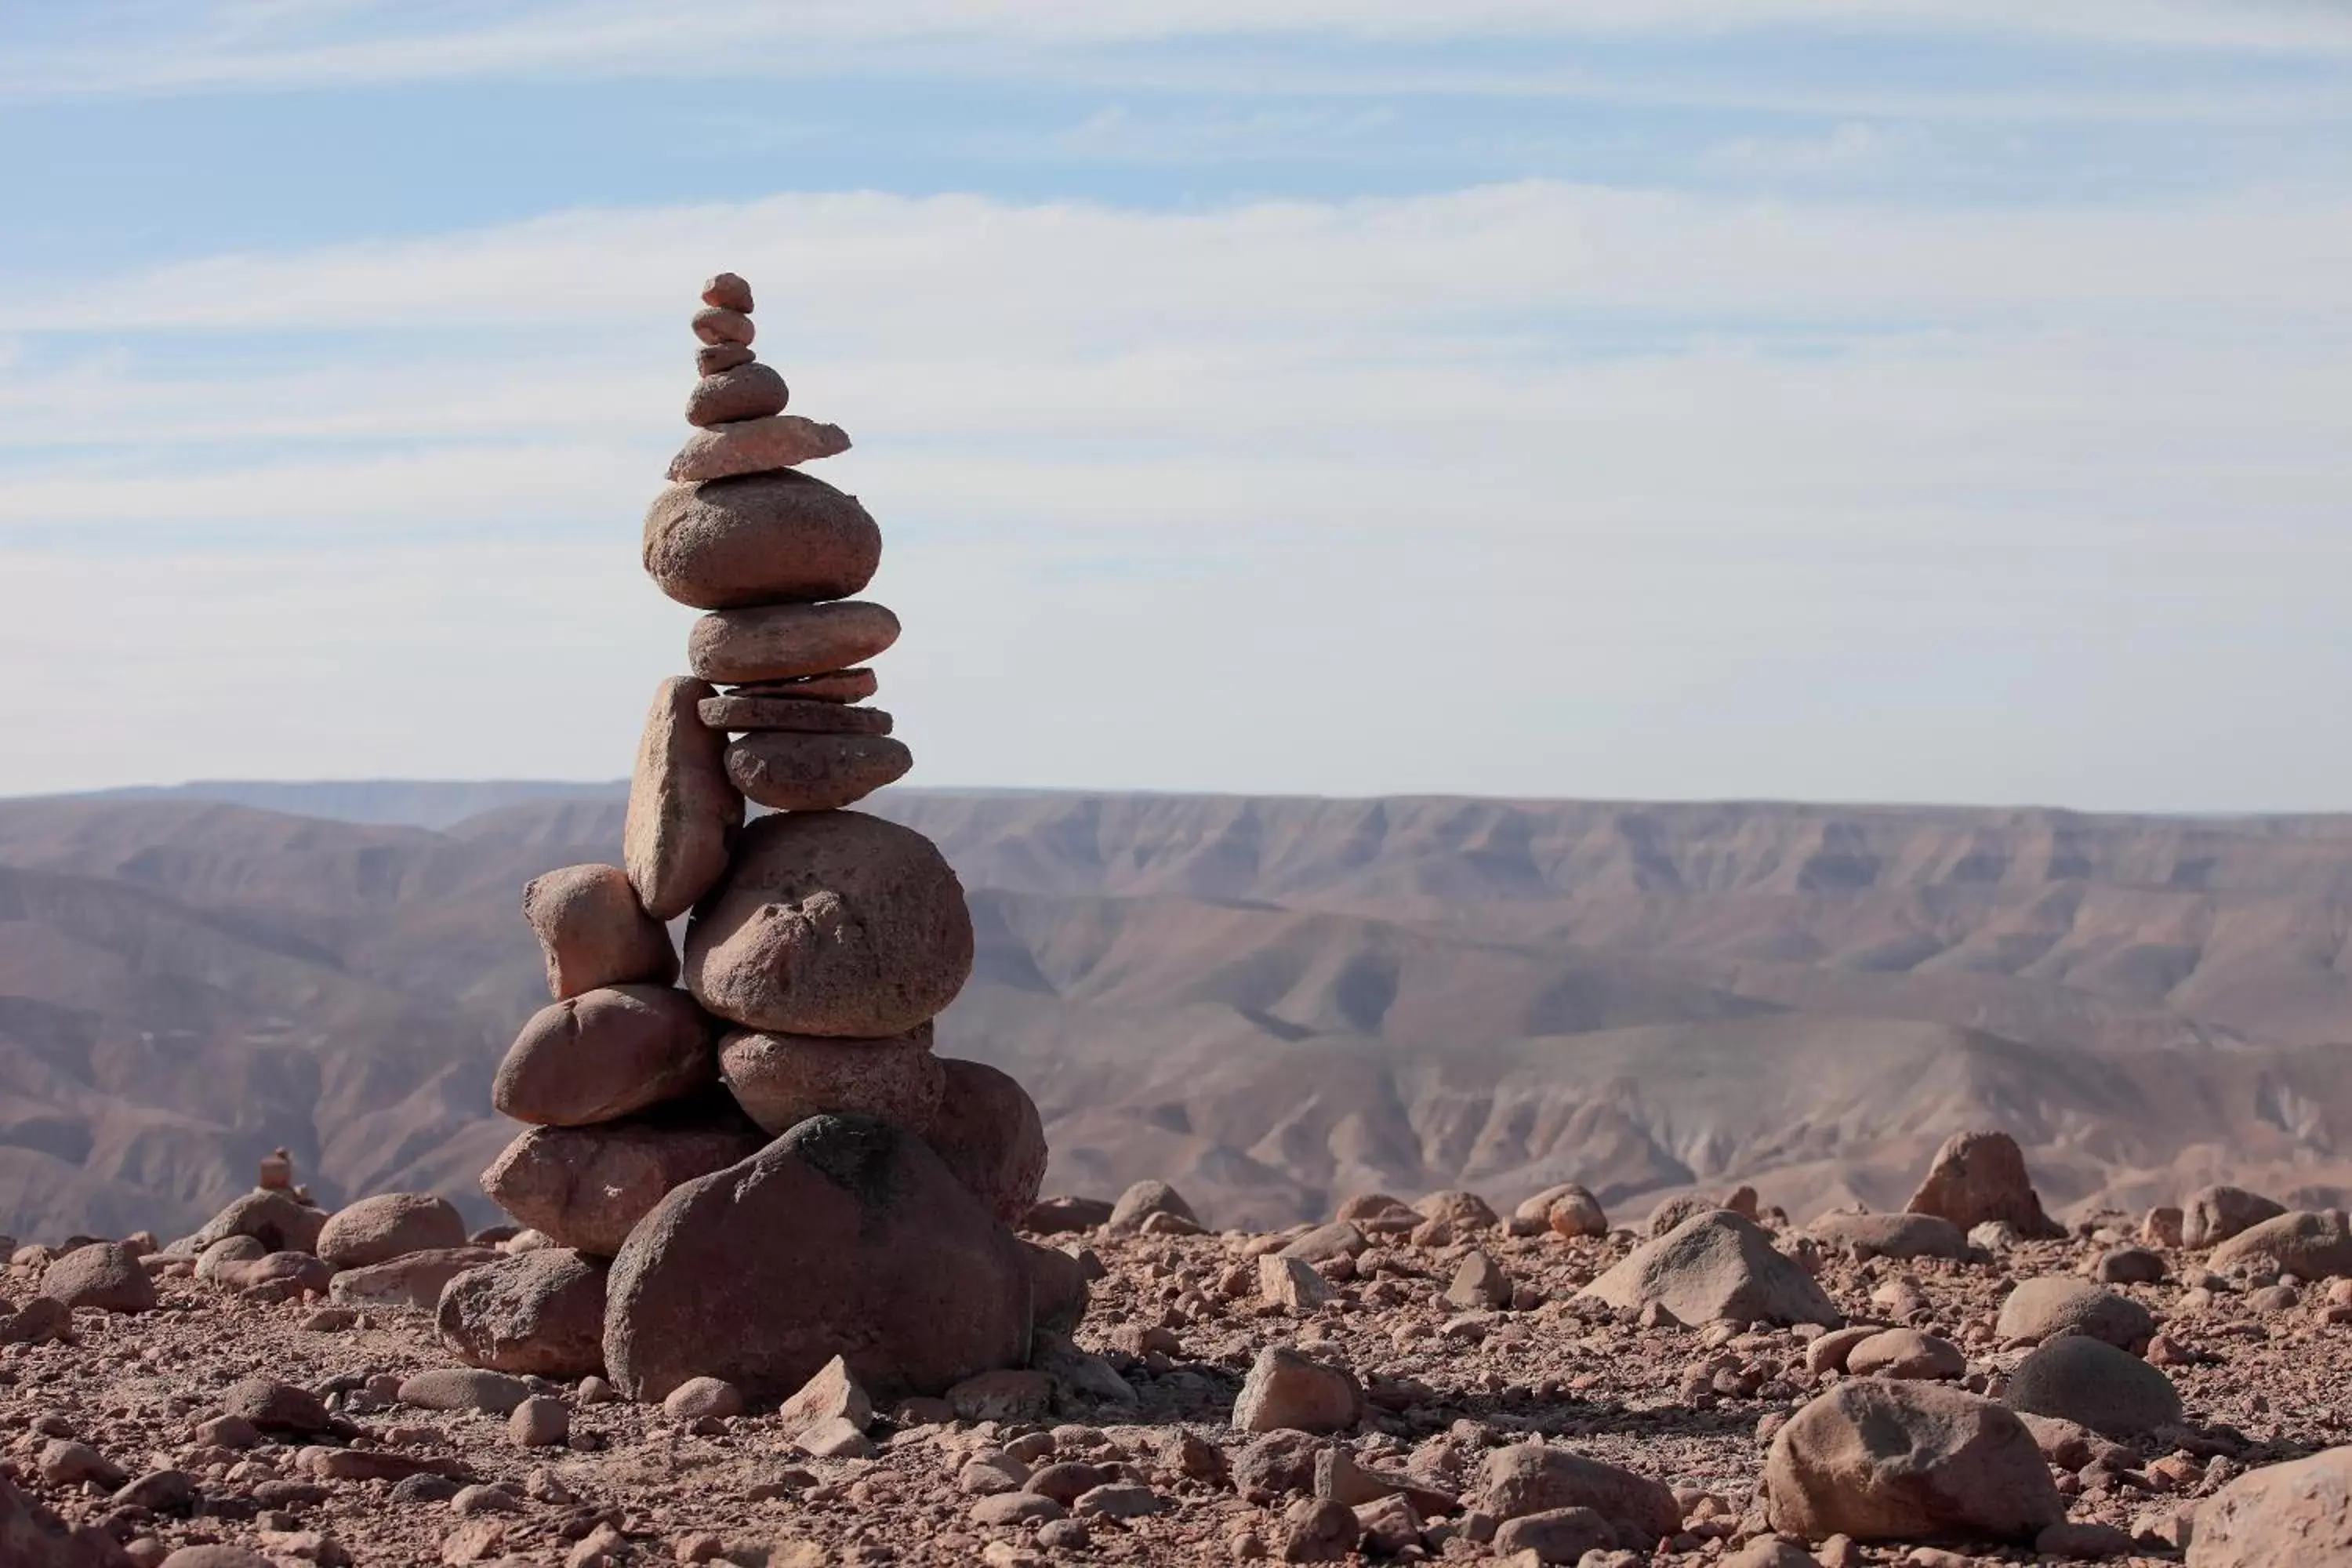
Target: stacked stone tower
[778,1164]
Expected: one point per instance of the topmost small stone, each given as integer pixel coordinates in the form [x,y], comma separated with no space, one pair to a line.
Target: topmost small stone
[727,293]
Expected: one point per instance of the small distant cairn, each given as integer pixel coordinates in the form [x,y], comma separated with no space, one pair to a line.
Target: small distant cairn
[778,1166]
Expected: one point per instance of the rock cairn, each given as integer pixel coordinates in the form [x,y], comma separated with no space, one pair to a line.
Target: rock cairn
[768,1163]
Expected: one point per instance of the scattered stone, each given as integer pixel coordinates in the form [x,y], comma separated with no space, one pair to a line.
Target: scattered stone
[1285,1389]
[2307,1245]
[1906,1354]
[1479,1283]
[2213,1214]
[378,1229]
[464,1388]
[1058,1288]
[2129,1265]
[1145,1199]
[1878,1459]
[539,1422]
[104,1275]
[1556,1535]
[416,1280]
[1979,1177]
[1576,1213]
[1061,1216]
[227,1250]
[1526,1478]
[2092,1383]
[2298,1513]
[270,1405]
[594,932]
[697,1398]
[272,1218]
[1713,1265]
[2164,1226]
[2050,1305]
[539,1313]
[1903,1236]
[1317,1531]
[833,1394]
[1674,1210]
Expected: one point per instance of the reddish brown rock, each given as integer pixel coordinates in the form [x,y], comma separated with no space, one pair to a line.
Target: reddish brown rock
[2312,1244]
[1575,1212]
[845,1238]
[755,446]
[2094,1384]
[988,1131]
[413,1279]
[1881,1460]
[683,813]
[715,359]
[276,1275]
[831,923]
[594,932]
[727,291]
[1464,1211]
[1146,1198]
[777,642]
[33,1537]
[747,392]
[2054,1304]
[2298,1513]
[1715,1266]
[717,324]
[104,1274]
[1977,1178]
[1058,1215]
[378,1229]
[1057,1289]
[834,686]
[2213,1214]
[747,714]
[814,772]
[1898,1235]
[1527,1478]
[603,1055]
[781,1080]
[585,1187]
[759,538]
[277,1219]
[537,1314]
[1285,1389]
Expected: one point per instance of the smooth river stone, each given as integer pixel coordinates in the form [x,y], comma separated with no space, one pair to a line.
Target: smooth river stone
[833,923]
[749,714]
[717,324]
[778,642]
[683,813]
[756,446]
[717,358]
[727,291]
[759,538]
[603,1055]
[988,1131]
[781,1080]
[747,392]
[585,1187]
[594,932]
[790,772]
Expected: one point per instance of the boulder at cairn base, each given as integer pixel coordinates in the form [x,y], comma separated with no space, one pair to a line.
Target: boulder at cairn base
[2310,1243]
[793,771]
[2298,1513]
[759,538]
[784,642]
[587,1187]
[389,1226]
[603,1055]
[831,923]
[1980,1177]
[1715,1266]
[683,813]
[781,1080]
[594,932]
[1879,1460]
[988,1131]
[536,1314]
[845,1236]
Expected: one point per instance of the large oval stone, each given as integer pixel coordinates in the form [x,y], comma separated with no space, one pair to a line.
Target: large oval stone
[604,1054]
[539,1313]
[988,1131]
[831,923]
[814,772]
[388,1225]
[781,1080]
[757,539]
[587,1187]
[845,1236]
[779,642]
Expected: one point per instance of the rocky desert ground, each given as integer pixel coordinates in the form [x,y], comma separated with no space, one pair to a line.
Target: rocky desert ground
[1964,1382]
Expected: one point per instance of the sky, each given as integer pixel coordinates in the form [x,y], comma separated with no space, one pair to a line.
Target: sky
[1894,400]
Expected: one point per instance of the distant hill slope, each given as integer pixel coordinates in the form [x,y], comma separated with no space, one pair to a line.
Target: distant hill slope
[1272,1002]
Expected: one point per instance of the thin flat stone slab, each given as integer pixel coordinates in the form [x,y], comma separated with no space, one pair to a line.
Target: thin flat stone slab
[743,715]
[755,446]
[813,773]
[682,812]
[759,538]
[782,642]
[834,686]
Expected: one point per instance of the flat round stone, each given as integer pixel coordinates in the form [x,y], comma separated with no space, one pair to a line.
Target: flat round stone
[720,357]
[727,291]
[834,686]
[756,446]
[782,642]
[751,391]
[759,538]
[743,715]
[781,1080]
[717,324]
[793,771]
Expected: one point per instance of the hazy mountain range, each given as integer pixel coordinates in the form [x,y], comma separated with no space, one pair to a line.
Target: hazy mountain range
[1272,1002]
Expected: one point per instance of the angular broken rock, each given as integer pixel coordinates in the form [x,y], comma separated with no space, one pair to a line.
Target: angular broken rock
[2298,1513]
[383,1227]
[1285,1389]
[1478,1284]
[587,1187]
[2213,1214]
[1883,1461]
[832,1394]
[1898,1235]
[831,923]
[867,1248]
[988,1131]
[604,1054]
[594,932]
[683,813]
[415,1279]
[1535,1478]
[536,1314]
[105,1274]
[33,1537]
[1978,1177]
[2312,1244]
[1290,1284]
[2053,1304]
[784,642]
[781,1080]
[755,445]
[2094,1384]
[273,1218]
[747,391]
[803,772]
[759,538]
[1715,1266]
